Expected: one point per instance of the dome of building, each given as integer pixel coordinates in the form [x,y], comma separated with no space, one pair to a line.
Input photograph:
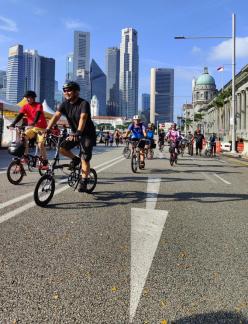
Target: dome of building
[205,79]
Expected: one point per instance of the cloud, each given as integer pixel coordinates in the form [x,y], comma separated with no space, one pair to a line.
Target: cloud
[223,51]
[8,24]
[76,24]
[196,50]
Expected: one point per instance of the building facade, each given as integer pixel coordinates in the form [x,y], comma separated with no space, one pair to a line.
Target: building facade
[15,74]
[3,84]
[47,80]
[162,95]
[113,77]
[129,73]
[81,62]
[32,72]
[98,86]
[146,105]
[69,67]
[217,115]
[204,90]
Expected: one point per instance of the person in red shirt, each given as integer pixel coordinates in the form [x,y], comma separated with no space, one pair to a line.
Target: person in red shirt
[36,120]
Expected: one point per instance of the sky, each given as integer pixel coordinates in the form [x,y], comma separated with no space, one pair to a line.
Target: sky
[48,26]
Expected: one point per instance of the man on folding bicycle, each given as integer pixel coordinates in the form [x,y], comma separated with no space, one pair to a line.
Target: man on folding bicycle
[138,134]
[77,112]
[36,125]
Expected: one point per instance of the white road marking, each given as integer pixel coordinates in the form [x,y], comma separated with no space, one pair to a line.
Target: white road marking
[2,172]
[208,177]
[223,180]
[153,186]
[27,206]
[146,229]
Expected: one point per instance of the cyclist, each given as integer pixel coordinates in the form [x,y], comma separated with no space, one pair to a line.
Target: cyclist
[138,132]
[212,141]
[37,124]
[173,136]
[161,137]
[77,112]
[150,135]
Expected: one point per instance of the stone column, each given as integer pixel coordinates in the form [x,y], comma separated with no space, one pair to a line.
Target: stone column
[246,103]
[238,111]
[243,106]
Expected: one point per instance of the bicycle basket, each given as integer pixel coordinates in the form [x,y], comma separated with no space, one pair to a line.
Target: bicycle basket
[16,149]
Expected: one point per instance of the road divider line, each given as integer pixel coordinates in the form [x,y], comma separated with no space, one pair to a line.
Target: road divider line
[31,204]
[146,229]
[223,180]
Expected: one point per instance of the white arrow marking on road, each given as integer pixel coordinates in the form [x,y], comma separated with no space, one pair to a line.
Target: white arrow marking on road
[146,229]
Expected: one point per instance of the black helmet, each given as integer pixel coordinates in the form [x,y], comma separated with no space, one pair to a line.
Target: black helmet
[30,94]
[71,85]
[16,149]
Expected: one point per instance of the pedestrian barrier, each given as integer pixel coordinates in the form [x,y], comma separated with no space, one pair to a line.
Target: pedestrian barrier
[240,147]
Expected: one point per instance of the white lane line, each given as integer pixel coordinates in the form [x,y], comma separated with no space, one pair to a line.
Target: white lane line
[2,172]
[146,229]
[153,186]
[208,177]
[223,180]
[30,194]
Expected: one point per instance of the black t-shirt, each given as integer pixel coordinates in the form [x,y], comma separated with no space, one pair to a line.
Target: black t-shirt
[72,112]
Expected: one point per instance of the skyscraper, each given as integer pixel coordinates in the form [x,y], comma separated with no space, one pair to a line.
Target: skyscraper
[98,86]
[69,67]
[47,80]
[113,76]
[146,105]
[15,74]
[32,72]
[162,95]
[129,73]
[81,62]
[3,84]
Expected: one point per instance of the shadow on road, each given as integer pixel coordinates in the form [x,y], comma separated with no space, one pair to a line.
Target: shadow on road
[213,318]
[113,198]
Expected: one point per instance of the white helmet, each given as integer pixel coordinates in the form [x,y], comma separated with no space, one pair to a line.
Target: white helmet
[136,117]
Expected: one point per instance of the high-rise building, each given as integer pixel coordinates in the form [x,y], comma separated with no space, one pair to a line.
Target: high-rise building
[3,84]
[47,80]
[32,72]
[58,95]
[129,73]
[98,86]
[146,106]
[69,67]
[162,95]
[15,74]
[81,62]
[113,76]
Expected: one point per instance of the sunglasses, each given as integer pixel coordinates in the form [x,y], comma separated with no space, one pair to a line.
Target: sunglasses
[67,90]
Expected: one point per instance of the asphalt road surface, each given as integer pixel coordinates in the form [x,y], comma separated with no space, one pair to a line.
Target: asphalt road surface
[164,245]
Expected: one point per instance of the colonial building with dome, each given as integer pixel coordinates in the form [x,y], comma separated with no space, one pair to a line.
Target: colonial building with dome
[204,90]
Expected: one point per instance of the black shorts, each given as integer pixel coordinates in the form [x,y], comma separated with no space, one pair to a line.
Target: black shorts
[141,142]
[87,144]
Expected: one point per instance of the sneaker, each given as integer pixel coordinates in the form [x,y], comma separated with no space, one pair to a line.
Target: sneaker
[44,165]
[74,162]
[82,185]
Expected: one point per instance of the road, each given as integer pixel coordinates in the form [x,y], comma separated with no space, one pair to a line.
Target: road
[165,245]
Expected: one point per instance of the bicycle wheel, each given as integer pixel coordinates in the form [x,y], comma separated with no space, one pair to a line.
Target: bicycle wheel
[15,172]
[134,163]
[126,152]
[44,190]
[92,181]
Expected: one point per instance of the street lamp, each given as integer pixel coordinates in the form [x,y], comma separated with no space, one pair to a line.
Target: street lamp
[233,37]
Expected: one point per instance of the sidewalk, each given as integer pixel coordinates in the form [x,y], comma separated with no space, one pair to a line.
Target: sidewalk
[235,156]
